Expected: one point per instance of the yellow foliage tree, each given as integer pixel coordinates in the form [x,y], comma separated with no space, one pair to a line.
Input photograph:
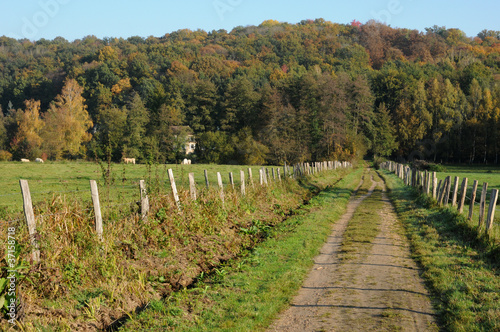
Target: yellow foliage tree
[67,122]
[27,140]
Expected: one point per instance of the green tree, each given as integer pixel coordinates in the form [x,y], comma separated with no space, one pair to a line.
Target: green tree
[135,133]
[109,138]
[248,151]
[214,147]
[239,105]
[382,133]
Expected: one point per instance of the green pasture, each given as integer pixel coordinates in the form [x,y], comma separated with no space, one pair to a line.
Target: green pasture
[70,180]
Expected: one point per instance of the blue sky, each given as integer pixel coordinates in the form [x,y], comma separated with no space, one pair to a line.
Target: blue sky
[75,19]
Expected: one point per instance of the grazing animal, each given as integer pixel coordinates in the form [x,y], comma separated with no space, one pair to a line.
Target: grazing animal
[186,162]
[129,160]
[25,160]
[39,160]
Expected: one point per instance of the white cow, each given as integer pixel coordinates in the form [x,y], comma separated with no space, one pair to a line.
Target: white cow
[39,160]
[129,160]
[186,162]
[25,160]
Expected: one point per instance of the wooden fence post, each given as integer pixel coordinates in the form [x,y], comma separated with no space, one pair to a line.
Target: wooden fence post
[448,190]
[434,185]
[455,192]
[482,203]
[472,199]
[30,220]
[174,189]
[274,174]
[221,187]
[97,208]
[491,210]
[463,193]
[206,179]
[250,179]
[242,180]
[261,177]
[231,179]
[192,186]
[279,174]
[144,200]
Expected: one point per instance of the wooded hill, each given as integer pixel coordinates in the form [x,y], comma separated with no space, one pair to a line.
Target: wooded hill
[271,93]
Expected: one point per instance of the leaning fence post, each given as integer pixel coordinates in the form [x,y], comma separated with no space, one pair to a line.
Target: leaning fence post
[174,189]
[97,208]
[472,199]
[144,200]
[192,186]
[242,180]
[491,210]
[482,204]
[463,193]
[30,219]
[206,179]
[455,192]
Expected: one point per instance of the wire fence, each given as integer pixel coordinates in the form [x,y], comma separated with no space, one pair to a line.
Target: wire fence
[425,181]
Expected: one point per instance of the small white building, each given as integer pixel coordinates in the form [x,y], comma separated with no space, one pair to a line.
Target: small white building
[184,137]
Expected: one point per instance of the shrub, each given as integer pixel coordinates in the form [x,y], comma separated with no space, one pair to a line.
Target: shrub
[5,155]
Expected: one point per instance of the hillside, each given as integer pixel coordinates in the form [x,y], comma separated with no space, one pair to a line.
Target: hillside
[271,93]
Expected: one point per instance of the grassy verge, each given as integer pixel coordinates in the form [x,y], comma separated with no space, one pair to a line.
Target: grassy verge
[247,294]
[460,266]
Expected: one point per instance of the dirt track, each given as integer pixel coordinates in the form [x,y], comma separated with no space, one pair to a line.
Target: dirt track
[378,289]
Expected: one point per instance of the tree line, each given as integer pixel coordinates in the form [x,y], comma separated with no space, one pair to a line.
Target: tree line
[271,93]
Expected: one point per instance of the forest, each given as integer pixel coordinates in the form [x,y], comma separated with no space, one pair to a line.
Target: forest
[266,94]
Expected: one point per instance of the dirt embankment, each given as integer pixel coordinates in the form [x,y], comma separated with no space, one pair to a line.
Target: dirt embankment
[377,288]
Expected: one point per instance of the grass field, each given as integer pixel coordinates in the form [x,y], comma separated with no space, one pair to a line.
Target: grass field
[71,179]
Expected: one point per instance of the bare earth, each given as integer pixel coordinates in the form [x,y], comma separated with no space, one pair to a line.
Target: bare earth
[377,290]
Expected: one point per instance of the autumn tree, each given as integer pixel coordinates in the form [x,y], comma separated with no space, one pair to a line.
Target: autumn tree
[67,123]
[27,141]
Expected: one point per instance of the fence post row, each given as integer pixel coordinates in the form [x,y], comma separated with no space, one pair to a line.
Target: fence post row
[441,191]
[264,175]
[30,220]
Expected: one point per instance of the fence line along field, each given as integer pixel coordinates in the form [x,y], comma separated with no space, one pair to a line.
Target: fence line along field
[71,179]
[470,194]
